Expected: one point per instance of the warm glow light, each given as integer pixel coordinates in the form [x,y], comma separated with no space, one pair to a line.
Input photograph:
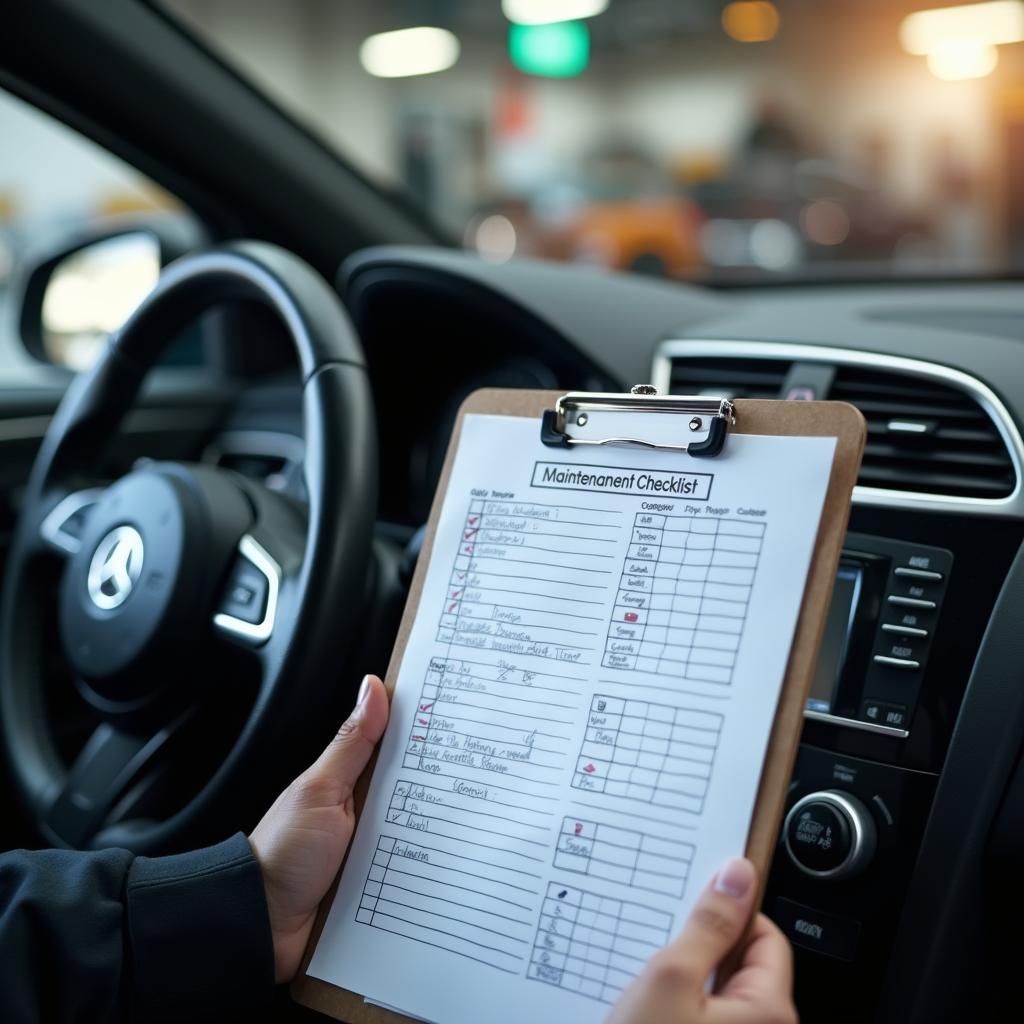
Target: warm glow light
[495,238]
[751,21]
[825,222]
[543,12]
[993,23]
[409,51]
[957,59]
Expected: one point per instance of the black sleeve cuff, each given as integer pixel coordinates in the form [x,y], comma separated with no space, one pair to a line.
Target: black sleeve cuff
[199,933]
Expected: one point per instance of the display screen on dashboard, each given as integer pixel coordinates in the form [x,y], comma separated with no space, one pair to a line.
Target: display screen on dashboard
[836,640]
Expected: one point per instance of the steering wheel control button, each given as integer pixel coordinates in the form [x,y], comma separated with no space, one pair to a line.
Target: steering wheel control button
[246,593]
[829,834]
[249,606]
[816,930]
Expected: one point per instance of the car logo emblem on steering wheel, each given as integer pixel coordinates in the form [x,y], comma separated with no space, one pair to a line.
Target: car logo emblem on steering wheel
[115,567]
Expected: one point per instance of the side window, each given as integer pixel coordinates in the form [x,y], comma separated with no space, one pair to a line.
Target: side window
[60,192]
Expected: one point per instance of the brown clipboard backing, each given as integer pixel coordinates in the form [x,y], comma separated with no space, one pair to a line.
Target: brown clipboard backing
[793,419]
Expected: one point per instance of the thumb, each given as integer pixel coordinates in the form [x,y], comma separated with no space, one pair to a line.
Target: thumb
[718,919]
[345,757]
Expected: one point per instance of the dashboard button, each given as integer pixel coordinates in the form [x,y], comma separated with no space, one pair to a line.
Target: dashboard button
[898,630]
[894,715]
[917,574]
[911,602]
[904,648]
[920,590]
[818,837]
[814,929]
[245,596]
[873,711]
[904,664]
[829,834]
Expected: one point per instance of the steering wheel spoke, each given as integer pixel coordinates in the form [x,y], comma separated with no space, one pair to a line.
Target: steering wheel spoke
[247,610]
[60,530]
[109,765]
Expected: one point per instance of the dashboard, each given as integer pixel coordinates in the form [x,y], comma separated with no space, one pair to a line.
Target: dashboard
[913,729]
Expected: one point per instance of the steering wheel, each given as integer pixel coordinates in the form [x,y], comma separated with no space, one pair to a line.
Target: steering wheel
[196,609]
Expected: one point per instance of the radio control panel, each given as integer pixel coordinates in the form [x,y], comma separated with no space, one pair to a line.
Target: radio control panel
[882,621]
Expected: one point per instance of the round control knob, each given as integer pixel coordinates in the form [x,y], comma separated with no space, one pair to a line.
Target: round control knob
[830,834]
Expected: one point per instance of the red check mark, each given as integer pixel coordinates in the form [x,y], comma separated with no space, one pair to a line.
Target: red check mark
[579,827]
[631,616]
[468,534]
[419,737]
[473,520]
[589,768]
[426,707]
[461,575]
[423,721]
[467,549]
[455,593]
[453,606]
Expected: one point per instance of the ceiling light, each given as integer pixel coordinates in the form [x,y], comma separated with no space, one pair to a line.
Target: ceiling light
[543,12]
[957,59]
[409,51]
[999,21]
[751,21]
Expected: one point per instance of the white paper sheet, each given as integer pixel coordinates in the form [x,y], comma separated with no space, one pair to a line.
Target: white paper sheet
[579,721]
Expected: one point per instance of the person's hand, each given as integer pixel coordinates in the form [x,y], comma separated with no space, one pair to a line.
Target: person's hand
[672,989]
[302,838]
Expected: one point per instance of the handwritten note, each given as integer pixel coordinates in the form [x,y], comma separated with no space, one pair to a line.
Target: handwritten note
[578,723]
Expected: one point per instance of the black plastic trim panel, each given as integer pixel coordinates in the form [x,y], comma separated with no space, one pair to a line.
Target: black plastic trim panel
[945,944]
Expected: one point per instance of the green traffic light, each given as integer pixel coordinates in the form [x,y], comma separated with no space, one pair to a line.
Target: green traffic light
[560,49]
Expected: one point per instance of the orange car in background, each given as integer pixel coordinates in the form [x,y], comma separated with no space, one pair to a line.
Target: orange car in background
[622,212]
[656,236]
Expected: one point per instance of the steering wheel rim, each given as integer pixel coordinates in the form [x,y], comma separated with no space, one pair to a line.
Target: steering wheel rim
[320,564]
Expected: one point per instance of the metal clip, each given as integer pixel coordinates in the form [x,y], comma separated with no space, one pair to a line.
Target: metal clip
[642,398]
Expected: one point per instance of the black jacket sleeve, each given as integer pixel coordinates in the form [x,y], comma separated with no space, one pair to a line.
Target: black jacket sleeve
[108,936]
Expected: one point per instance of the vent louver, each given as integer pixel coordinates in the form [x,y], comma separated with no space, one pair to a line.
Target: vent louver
[959,451]
[924,435]
[729,377]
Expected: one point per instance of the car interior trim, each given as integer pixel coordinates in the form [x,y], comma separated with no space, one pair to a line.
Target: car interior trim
[255,442]
[23,428]
[853,723]
[51,529]
[255,632]
[1011,505]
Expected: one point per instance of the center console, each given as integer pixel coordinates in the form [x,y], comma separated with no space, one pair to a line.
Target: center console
[881,624]
[913,595]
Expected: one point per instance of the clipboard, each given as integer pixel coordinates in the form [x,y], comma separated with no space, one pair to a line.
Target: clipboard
[562,421]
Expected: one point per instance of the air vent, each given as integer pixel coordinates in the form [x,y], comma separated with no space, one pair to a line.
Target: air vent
[731,378]
[255,466]
[924,435]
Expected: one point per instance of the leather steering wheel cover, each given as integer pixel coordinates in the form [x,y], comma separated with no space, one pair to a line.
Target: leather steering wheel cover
[312,634]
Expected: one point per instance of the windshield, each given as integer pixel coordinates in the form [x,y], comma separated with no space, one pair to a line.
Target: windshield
[698,139]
